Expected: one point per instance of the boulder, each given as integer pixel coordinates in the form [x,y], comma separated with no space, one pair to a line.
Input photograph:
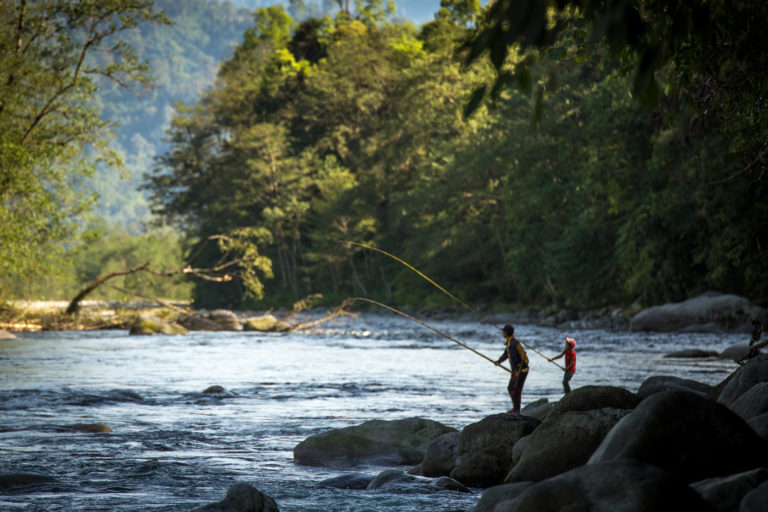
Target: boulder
[725,493]
[197,322]
[752,403]
[740,381]
[392,480]
[728,311]
[392,443]
[225,319]
[692,353]
[353,481]
[485,448]
[755,499]
[266,323]
[690,436]
[440,457]
[5,335]
[760,425]
[562,443]
[499,493]
[622,485]
[216,320]
[659,383]
[538,409]
[242,498]
[588,398]
[735,352]
[214,390]
[517,450]
[147,324]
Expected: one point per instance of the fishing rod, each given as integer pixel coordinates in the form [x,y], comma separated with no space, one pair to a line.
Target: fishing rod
[449,294]
[441,333]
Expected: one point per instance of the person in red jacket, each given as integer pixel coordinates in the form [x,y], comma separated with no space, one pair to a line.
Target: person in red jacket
[570,362]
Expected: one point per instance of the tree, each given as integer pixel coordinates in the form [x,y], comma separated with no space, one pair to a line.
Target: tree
[53,55]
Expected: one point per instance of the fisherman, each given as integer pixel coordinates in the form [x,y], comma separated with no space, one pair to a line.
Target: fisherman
[518,362]
[570,362]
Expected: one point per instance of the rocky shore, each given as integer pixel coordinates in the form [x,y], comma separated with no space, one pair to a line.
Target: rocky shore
[673,445]
[709,312]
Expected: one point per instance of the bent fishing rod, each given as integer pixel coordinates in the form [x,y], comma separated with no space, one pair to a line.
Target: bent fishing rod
[441,333]
[449,294]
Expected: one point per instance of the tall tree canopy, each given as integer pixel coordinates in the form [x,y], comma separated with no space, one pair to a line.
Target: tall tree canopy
[351,128]
[53,54]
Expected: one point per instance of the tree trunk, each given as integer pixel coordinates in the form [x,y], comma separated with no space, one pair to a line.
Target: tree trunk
[74,305]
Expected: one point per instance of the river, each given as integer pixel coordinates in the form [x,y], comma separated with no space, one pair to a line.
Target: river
[174,448]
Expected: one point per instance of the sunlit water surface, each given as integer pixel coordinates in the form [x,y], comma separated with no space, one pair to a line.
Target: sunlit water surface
[175,448]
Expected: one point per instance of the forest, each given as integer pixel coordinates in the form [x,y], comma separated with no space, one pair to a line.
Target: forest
[526,154]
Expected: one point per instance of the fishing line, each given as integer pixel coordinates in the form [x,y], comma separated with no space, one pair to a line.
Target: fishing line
[441,333]
[449,294]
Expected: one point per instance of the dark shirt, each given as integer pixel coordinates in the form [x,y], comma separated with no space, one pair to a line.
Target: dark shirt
[516,355]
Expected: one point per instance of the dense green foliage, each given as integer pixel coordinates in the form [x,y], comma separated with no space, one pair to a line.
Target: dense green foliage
[53,54]
[351,129]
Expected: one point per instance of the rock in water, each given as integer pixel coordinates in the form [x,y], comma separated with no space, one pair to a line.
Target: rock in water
[690,436]
[242,498]
[391,443]
[88,428]
[266,323]
[146,324]
[728,311]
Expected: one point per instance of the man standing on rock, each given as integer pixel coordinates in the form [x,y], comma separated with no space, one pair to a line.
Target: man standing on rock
[518,361]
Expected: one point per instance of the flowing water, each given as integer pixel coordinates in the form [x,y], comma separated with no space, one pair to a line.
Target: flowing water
[175,448]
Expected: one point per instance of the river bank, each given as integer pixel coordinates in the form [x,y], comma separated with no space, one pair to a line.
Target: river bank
[710,312]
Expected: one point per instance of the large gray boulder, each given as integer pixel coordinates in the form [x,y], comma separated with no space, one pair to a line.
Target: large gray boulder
[538,409]
[659,383]
[760,425]
[498,494]
[740,381]
[755,500]
[725,493]
[730,312]
[615,486]
[588,398]
[485,448]
[440,457]
[752,403]
[562,443]
[393,443]
[242,498]
[690,436]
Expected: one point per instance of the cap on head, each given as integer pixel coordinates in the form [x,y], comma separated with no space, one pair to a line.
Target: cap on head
[571,341]
[508,330]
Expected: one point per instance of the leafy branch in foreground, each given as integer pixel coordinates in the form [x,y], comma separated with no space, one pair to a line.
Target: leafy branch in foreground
[240,259]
